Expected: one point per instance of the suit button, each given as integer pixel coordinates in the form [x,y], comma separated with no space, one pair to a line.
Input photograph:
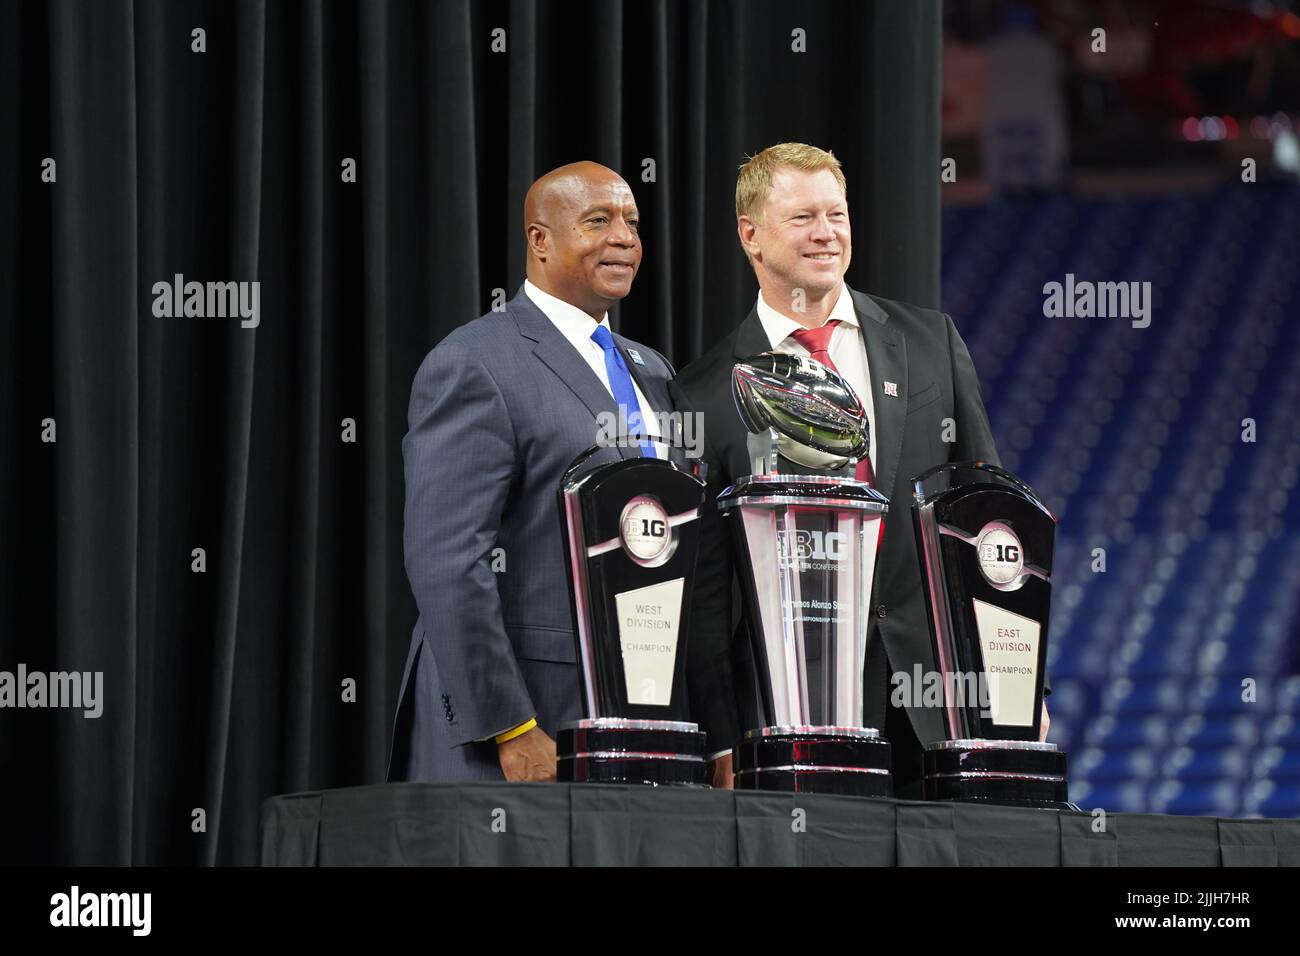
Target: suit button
[882,611]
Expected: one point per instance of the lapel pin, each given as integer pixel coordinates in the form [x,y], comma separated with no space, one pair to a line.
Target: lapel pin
[636,356]
[891,388]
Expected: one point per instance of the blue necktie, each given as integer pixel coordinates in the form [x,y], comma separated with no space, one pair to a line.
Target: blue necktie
[620,382]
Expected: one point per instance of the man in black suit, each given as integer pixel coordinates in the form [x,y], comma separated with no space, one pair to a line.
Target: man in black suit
[915,378]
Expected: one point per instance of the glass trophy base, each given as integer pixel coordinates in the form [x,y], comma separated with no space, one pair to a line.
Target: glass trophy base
[1016,773]
[850,761]
[620,750]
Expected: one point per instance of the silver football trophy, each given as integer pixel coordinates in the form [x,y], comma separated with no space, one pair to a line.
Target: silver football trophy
[806,546]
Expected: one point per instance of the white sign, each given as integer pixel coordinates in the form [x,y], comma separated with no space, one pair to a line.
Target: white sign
[1009,643]
[648,621]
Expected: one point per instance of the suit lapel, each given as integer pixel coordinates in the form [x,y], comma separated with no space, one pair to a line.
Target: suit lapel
[555,352]
[655,390]
[886,362]
[751,337]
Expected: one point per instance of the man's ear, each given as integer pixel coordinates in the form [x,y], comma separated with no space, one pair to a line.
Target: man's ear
[747,230]
[539,240]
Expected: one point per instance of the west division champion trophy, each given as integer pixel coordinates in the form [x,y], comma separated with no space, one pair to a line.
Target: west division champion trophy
[805,547]
[985,544]
[631,534]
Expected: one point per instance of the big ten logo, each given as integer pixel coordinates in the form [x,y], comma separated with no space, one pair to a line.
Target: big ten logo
[1000,556]
[644,528]
[808,545]
[652,527]
[1000,552]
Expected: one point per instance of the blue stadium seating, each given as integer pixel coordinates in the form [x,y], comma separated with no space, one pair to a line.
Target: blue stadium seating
[1170,455]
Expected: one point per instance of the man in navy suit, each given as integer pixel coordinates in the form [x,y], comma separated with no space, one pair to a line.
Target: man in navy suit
[498,411]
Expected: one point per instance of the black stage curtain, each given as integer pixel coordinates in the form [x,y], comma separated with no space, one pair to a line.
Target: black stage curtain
[224,686]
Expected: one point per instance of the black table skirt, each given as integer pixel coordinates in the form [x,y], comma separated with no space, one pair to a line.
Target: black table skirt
[492,824]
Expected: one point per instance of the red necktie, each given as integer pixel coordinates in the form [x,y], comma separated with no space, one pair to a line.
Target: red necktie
[817,342]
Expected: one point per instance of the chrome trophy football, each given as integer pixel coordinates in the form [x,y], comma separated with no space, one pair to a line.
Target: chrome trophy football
[808,404]
[806,535]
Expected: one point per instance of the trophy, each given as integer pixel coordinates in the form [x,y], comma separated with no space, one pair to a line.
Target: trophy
[631,531]
[805,547]
[985,542]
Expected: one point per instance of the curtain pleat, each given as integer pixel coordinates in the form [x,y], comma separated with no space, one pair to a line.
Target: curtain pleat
[218,527]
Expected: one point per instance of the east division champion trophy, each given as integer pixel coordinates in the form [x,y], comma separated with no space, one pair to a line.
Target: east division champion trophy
[631,533]
[985,544]
[805,547]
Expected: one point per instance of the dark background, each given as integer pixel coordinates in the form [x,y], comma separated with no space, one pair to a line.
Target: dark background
[224,688]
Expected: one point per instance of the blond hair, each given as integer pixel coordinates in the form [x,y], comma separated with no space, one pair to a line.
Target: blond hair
[754,182]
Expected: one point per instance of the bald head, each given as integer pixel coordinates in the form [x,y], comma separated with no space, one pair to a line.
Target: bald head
[565,186]
[581,224]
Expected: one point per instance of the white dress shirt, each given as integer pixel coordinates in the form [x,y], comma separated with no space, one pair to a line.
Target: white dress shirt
[577,326]
[848,350]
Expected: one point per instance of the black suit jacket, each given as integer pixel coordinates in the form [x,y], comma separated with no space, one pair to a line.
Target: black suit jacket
[920,352]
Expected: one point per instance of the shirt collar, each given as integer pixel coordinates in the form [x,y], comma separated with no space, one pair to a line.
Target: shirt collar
[779,327]
[574,324]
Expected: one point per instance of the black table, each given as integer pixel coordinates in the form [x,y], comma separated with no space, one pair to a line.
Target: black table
[493,824]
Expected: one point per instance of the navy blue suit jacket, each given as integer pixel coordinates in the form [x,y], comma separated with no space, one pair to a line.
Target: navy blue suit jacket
[499,410]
